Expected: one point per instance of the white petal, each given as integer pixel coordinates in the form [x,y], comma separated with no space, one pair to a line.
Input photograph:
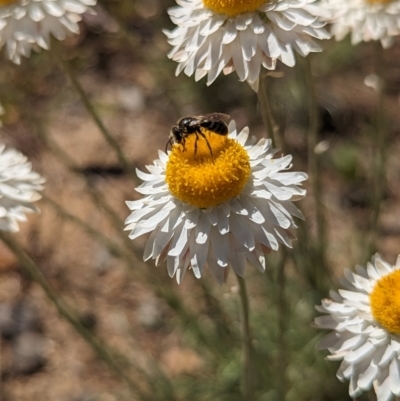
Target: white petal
[237,259]
[242,232]
[218,272]
[202,229]
[394,372]
[221,247]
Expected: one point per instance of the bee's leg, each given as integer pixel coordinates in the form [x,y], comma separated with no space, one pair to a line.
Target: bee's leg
[195,144]
[208,144]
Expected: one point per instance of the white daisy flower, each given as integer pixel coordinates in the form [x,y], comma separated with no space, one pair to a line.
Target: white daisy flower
[18,188]
[29,24]
[221,209]
[365,20]
[365,319]
[214,36]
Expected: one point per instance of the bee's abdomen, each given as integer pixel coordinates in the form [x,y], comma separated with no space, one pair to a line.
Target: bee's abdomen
[219,127]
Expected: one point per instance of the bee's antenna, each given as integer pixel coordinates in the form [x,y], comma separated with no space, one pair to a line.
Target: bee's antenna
[168,143]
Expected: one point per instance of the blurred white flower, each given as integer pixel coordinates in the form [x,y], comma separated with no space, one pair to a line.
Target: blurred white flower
[221,209]
[29,24]
[214,36]
[374,82]
[18,188]
[365,20]
[365,319]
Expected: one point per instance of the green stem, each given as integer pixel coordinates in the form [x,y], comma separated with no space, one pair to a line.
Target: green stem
[97,120]
[248,389]
[379,145]
[111,246]
[265,108]
[34,271]
[221,320]
[98,198]
[132,256]
[282,310]
[1,370]
[314,167]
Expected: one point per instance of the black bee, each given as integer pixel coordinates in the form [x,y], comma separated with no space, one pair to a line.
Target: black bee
[214,122]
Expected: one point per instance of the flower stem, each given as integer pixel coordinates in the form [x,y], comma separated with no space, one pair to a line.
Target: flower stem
[132,256]
[34,271]
[98,198]
[379,145]
[1,370]
[265,108]
[314,167]
[96,118]
[282,310]
[248,390]
[110,245]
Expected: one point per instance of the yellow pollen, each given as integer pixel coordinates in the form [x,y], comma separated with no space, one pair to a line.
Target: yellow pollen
[232,8]
[7,2]
[204,180]
[385,301]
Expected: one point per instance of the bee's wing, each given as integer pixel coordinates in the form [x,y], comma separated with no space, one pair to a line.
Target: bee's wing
[216,117]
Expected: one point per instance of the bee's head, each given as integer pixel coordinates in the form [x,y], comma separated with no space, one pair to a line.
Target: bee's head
[176,134]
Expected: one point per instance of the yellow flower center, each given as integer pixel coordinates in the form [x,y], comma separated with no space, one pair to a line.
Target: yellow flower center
[7,2]
[202,179]
[232,8]
[385,301]
[379,1]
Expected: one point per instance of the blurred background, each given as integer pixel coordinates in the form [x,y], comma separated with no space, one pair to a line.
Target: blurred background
[178,342]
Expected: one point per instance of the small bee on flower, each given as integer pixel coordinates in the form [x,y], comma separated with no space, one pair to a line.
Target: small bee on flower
[218,209]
